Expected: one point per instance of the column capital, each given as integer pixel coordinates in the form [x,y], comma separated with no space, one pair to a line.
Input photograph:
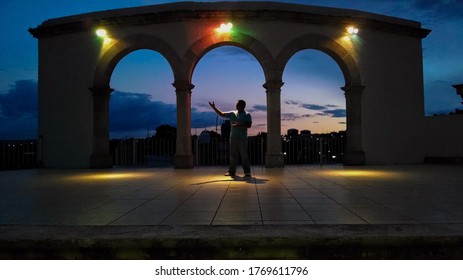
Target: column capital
[183,86]
[273,85]
[101,90]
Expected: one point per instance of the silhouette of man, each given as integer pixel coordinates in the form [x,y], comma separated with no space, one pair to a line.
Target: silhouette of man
[240,121]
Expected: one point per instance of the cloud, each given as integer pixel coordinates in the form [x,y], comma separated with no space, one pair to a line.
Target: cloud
[322,110]
[336,113]
[314,107]
[132,114]
[18,111]
[440,10]
[259,108]
[292,102]
[289,116]
[294,116]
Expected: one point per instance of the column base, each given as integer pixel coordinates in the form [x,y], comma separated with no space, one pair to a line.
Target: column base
[354,158]
[183,161]
[274,160]
[101,161]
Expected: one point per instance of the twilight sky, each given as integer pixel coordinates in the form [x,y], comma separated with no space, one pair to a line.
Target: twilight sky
[144,97]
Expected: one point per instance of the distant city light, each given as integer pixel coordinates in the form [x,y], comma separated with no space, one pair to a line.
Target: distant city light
[101,33]
[225,27]
[352,30]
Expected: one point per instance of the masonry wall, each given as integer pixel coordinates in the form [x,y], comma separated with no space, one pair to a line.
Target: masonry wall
[393,100]
[65,120]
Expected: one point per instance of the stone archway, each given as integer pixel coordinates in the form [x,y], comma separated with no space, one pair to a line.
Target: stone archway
[274,157]
[353,87]
[73,120]
[101,90]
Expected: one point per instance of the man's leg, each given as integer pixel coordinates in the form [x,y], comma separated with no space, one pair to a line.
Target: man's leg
[234,155]
[243,150]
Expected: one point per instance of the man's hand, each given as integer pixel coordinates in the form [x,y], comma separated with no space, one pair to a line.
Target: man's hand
[218,112]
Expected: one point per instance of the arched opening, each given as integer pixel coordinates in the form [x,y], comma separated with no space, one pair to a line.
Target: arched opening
[313,109]
[225,75]
[143,96]
[142,103]
[312,98]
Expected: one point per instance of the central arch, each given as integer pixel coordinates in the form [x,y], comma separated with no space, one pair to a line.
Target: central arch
[198,49]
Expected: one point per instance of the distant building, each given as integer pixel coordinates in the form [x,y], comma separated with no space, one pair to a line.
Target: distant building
[306,133]
[292,132]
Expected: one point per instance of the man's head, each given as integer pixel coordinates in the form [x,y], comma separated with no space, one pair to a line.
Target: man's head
[240,105]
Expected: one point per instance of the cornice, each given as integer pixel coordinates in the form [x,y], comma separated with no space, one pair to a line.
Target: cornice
[138,16]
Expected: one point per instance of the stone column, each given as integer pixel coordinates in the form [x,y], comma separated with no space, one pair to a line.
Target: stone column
[101,155]
[183,156]
[354,154]
[273,156]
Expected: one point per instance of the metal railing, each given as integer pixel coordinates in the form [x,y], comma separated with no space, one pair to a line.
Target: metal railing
[143,152]
[315,149]
[18,154]
[216,151]
[160,152]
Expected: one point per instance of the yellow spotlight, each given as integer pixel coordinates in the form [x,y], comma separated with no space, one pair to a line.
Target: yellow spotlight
[101,33]
[225,28]
[352,30]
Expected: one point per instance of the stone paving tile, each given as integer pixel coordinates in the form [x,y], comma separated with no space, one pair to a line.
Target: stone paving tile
[203,196]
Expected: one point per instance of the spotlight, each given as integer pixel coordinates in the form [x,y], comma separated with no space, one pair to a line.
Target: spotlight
[101,33]
[352,30]
[225,27]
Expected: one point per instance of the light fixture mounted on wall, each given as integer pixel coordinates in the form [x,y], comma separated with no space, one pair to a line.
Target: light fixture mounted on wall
[225,27]
[352,30]
[101,33]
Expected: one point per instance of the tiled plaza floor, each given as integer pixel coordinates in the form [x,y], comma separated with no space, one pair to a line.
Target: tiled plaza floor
[297,195]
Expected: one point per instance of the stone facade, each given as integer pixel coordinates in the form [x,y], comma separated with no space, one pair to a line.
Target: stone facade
[382,68]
